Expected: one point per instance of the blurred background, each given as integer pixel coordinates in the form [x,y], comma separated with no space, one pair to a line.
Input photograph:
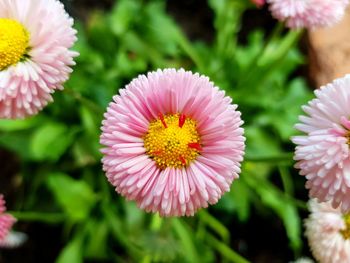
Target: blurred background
[51,174]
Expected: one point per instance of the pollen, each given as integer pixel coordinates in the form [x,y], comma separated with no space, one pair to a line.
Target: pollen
[14,39]
[172,141]
[346,232]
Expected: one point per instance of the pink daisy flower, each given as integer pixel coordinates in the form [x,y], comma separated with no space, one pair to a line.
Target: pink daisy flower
[173,142]
[328,233]
[258,3]
[35,60]
[323,153]
[308,13]
[6,223]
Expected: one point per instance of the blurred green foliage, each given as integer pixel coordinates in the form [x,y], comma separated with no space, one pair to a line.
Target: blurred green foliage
[63,182]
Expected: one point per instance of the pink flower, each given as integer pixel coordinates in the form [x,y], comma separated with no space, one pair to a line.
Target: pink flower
[258,3]
[328,232]
[35,58]
[6,223]
[323,153]
[308,13]
[173,142]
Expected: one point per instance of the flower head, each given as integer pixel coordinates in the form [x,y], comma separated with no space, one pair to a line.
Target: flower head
[6,223]
[258,3]
[35,60]
[328,233]
[173,142]
[323,154]
[308,13]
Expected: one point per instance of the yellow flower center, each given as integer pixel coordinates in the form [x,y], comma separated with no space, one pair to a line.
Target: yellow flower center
[346,232]
[172,141]
[14,40]
[347,136]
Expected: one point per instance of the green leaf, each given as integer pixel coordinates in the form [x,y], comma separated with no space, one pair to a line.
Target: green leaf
[50,141]
[90,122]
[72,252]
[287,212]
[118,231]
[289,108]
[159,246]
[123,15]
[116,225]
[160,30]
[245,55]
[227,22]
[280,204]
[85,153]
[75,197]
[96,247]
[129,64]
[134,216]
[225,250]
[240,197]
[186,238]
[17,142]
[260,143]
[17,125]
[215,225]
[99,28]
[283,110]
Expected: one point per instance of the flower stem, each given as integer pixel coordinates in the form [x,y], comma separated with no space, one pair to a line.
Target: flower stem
[225,251]
[252,180]
[286,180]
[273,53]
[49,218]
[191,52]
[284,157]
[156,224]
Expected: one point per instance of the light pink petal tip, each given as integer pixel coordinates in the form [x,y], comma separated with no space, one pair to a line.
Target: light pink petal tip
[27,87]
[172,191]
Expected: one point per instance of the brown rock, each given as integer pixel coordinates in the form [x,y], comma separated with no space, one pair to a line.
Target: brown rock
[329,52]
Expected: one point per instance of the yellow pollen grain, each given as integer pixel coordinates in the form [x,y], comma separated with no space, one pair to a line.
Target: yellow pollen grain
[346,232]
[168,147]
[14,40]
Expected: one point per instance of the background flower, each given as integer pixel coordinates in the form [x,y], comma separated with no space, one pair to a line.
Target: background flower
[323,153]
[308,13]
[258,3]
[6,223]
[172,141]
[328,232]
[35,58]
